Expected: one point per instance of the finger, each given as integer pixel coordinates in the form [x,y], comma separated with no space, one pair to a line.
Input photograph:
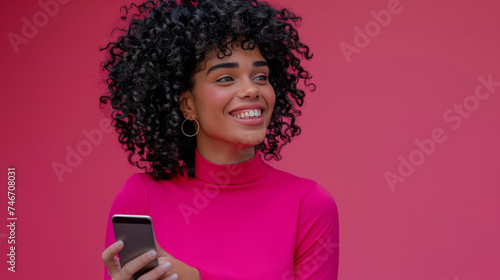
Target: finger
[134,265]
[160,250]
[159,272]
[173,277]
[109,256]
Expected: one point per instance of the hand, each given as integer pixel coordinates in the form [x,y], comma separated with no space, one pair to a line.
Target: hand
[169,268]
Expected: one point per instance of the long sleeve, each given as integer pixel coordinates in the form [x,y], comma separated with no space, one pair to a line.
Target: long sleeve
[131,199]
[261,223]
[317,244]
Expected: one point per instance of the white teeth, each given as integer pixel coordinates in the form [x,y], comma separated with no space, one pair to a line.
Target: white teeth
[252,113]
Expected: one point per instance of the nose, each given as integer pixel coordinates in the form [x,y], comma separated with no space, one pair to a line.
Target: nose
[248,89]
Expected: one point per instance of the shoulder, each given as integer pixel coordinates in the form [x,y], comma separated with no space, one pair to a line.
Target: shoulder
[139,183]
[316,202]
[320,202]
[289,179]
[134,185]
[313,197]
[141,189]
[309,189]
[132,197]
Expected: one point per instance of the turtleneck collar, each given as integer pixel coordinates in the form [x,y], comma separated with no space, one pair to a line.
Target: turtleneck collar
[231,174]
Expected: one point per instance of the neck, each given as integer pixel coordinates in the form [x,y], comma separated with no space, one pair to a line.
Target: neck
[226,154]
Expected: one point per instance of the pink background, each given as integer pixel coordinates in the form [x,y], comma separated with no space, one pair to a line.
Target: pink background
[440,222]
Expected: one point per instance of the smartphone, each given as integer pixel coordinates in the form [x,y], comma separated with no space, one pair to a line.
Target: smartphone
[136,232]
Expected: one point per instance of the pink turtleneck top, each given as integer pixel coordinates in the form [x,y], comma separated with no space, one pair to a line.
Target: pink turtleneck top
[241,221]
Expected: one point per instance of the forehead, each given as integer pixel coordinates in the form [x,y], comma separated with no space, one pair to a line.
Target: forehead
[234,53]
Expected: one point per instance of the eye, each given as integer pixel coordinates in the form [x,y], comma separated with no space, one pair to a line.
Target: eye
[225,79]
[262,78]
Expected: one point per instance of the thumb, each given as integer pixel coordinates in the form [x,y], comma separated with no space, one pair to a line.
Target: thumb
[160,251]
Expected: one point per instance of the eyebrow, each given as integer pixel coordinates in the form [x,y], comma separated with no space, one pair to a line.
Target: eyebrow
[234,65]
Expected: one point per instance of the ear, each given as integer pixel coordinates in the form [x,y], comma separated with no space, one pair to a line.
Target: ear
[186,104]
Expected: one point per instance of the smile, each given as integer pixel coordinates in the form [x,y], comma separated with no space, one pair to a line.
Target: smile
[247,114]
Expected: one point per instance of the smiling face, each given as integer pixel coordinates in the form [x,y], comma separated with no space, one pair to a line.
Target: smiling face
[233,101]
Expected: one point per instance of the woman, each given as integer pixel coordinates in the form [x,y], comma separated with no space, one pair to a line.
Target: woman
[201,93]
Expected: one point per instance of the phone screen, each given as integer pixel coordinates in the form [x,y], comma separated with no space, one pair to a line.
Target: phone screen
[136,232]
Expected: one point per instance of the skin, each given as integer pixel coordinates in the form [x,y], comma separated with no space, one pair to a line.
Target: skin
[223,85]
[217,92]
[176,270]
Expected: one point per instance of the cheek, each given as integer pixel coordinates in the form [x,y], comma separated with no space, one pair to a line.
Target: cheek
[211,103]
[271,98]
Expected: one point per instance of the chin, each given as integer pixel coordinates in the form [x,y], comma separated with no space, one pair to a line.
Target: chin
[253,139]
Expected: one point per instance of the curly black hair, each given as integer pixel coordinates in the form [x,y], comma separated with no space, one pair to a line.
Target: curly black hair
[153,61]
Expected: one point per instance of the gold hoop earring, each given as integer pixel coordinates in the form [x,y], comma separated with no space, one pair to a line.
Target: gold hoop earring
[182,127]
